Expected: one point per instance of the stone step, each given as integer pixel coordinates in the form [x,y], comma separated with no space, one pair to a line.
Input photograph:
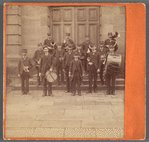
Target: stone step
[119,81]
[60,87]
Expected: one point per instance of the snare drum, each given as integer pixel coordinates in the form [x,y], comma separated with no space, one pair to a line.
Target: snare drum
[51,76]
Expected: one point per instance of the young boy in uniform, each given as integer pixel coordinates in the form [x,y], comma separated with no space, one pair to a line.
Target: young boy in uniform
[102,51]
[93,68]
[37,58]
[75,72]
[68,57]
[59,55]
[24,67]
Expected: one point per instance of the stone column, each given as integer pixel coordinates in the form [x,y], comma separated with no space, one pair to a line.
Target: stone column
[13,38]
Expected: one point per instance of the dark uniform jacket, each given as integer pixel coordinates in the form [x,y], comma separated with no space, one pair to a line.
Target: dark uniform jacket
[46,64]
[103,52]
[80,53]
[111,42]
[38,54]
[22,62]
[95,59]
[76,66]
[59,55]
[49,43]
[69,42]
[67,59]
[85,46]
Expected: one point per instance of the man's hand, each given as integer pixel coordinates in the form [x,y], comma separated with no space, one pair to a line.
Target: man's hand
[90,63]
[18,75]
[51,69]
[98,70]
[69,74]
[39,74]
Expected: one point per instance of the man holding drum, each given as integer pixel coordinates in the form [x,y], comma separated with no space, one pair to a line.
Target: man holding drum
[113,62]
[46,65]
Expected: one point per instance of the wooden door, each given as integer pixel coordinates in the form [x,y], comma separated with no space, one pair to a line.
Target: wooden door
[62,23]
[78,21]
[87,23]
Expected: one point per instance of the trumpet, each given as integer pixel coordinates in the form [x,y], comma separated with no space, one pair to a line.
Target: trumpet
[25,68]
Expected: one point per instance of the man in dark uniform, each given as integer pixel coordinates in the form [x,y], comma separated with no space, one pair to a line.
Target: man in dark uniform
[110,75]
[59,55]
[37,58]
[80,52]
[102,52]
[111,41]
[86,49]
[75,72]
[93,68]
[50,43]
[68,42]
[68,57]
[23,71]
[46,64]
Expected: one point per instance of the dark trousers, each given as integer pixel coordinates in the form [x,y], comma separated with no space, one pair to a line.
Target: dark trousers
[68,83]
[76,80]
[45,83]
[38,77]
[92,75]
[59,71]
[110,82]
[101,72]
[25,82]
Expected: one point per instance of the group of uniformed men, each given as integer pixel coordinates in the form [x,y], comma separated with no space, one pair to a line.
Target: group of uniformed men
[72,60]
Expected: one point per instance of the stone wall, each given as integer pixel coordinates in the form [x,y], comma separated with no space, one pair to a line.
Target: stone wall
[35,26]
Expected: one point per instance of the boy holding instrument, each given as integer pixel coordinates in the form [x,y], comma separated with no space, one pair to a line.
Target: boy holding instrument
[24,67]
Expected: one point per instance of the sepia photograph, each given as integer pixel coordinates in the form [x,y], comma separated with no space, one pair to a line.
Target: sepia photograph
[65,71]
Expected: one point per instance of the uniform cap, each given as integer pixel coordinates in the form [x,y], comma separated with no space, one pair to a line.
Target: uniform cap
[67,34]
[76,54]
[40,44]
[24,50]
[86,36]
[49,34]
[45,46]
[110,34]
[102,43]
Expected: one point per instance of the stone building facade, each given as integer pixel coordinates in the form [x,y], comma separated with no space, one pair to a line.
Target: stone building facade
[27,25]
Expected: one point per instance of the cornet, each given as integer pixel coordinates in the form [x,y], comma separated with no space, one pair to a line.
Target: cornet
[25,68]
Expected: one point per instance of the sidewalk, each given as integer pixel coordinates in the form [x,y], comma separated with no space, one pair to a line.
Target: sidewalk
[93,115]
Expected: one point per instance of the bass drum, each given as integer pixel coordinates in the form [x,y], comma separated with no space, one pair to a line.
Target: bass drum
[51,76]
[113,64]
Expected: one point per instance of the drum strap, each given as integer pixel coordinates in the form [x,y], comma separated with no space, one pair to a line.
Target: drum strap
[52,77]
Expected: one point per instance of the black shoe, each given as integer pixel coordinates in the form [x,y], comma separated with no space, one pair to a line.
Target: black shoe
[102,82]
[79,94]
[95,91]
[67,91]
[43,95]
[51,95]
[108,93]
[73,94]
[113,92]
[89,91]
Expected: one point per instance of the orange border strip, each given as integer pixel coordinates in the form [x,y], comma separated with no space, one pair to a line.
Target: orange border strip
[135,70]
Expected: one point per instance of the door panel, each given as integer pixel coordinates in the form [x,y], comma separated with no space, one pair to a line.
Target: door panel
[78,21]
[93,33]
[67,29]
[56,33]
[81,32]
